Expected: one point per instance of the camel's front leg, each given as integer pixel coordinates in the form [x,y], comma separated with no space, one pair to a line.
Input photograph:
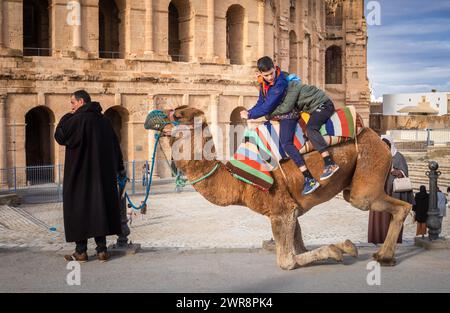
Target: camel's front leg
[285,228]
[299,246]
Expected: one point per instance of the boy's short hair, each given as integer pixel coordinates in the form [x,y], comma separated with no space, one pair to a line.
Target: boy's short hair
[265,64]
[82,94]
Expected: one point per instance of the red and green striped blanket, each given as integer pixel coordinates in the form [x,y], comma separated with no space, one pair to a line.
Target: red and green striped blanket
[260,151]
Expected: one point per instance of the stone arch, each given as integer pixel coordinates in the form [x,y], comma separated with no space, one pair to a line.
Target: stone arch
[237,126]
[235,34]
[333,65]
[335,19]
[293,48]
[39,145]
[110,25]
[180,41]
[119,117]
[36,28]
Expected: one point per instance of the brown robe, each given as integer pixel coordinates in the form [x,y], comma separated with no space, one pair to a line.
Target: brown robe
[379,221]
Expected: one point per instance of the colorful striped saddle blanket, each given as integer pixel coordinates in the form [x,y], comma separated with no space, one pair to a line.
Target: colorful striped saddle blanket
[260,151]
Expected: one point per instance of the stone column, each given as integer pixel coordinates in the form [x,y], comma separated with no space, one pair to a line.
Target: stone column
[76,26]
[210,29]
[261,26]
[3,155]
[151,135]
[1,25]
[214,125]
[149,27]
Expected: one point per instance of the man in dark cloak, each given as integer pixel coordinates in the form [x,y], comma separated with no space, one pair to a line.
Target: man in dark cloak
[93,160]
[379,221]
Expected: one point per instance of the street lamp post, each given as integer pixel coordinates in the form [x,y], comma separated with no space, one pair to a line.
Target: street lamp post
[433,221]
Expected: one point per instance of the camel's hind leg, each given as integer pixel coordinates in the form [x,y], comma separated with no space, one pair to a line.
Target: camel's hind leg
[399,211]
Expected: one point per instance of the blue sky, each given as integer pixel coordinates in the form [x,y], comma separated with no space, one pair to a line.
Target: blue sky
[410,50]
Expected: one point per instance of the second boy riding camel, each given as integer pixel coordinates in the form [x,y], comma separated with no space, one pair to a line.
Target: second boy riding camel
[275,104]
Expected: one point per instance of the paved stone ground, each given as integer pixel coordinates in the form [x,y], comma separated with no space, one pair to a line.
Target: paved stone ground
[205,271]
[187,221]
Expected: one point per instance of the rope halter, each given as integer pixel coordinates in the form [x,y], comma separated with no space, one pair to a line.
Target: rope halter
[157,120]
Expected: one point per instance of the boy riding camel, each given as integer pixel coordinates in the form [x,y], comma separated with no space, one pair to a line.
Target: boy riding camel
[273,104]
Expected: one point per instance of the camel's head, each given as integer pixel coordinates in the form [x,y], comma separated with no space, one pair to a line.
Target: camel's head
[166,121]
[183,126]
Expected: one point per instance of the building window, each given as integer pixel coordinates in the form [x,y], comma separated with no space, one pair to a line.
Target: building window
[180,40]
[333,65]
[36,28]
[109,30]
[308,51]
[336,18]
[234,36]
[292,12]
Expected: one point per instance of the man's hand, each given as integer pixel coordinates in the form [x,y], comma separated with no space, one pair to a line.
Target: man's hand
[244,114]
[397,173]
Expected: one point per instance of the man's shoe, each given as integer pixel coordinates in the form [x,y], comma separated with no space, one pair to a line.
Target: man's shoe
[103,256]
[79,257]
[310,185]
[329,170]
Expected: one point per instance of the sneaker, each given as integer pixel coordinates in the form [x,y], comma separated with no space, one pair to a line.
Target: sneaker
[329,170]
[310,185]
[103,256]
[80,257]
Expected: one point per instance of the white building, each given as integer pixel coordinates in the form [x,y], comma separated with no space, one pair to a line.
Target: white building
[428,103]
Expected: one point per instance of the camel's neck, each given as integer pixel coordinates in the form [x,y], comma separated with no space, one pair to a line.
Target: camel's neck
[211,187]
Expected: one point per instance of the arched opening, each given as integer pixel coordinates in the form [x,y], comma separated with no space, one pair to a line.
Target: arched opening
[237,127]
[39,145]
[293,52]
[36,28]
[333,65]
[119,118]
[109,29]
[335,19]
[235,34]
[179,30]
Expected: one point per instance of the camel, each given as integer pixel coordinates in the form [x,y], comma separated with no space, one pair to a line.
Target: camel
[363,171]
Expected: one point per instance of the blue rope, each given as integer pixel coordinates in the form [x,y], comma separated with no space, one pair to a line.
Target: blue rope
[122,182]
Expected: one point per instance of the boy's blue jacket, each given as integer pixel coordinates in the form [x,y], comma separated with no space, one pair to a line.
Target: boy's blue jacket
[267,104]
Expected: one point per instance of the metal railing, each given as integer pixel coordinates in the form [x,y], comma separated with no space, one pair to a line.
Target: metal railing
[41,184]
[40,52]
[431,137]
[110,55]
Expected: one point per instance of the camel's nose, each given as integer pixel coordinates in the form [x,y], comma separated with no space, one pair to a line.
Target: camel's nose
[156,120]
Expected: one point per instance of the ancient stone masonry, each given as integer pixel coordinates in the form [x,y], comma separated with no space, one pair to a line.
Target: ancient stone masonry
[137,55]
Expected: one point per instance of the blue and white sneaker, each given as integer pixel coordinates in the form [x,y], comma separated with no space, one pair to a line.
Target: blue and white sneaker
[329,170]
[310,185]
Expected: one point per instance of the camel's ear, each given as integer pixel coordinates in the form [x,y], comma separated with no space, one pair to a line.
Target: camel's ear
[187,114]
[180,112]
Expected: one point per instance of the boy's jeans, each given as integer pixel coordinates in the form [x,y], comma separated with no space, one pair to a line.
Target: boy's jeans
[287,132]
[317,119]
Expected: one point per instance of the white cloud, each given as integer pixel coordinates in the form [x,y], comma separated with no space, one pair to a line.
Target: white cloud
[419,27]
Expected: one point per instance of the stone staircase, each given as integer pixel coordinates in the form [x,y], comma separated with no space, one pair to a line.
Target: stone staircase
[418,177]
